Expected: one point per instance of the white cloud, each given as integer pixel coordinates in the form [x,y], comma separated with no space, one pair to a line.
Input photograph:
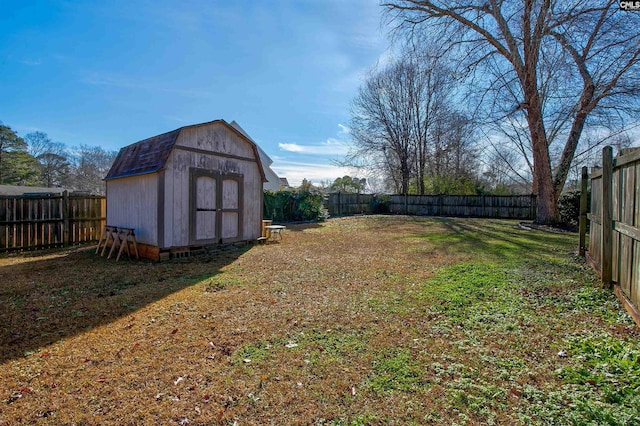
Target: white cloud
[298,161]
[291,147]
[331,147]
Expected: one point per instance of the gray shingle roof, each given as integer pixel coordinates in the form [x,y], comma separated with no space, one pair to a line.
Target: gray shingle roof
[146,156]
[150,155]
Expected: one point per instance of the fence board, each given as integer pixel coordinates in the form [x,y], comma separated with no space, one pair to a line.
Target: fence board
[595,234]
[615,192]
[36,222]
[627,189]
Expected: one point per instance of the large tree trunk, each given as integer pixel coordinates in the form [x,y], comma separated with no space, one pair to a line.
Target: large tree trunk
[546,199]
[546,202]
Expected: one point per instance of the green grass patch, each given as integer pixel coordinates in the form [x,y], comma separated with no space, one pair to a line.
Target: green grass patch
[599,385]
[255,352]
[220,281]
[334,343]
[319,347]
[462,285]
[611,368]
[359,420]
[496,240]
[396,371]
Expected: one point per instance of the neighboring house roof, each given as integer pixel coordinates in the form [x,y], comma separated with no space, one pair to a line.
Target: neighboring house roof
[284,182]
[22,190]
[151,155]
[272,179]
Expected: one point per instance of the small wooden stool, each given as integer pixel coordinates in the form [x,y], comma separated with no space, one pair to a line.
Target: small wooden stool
[274,230]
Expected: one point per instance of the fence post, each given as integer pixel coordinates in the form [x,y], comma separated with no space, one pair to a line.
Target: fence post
[607,216]
[65,218]
[583,211]
[484,205]
[533,206]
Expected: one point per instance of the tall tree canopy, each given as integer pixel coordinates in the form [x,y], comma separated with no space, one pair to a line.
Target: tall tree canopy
[348,184]
[38,161]
[558,65]
[17,166]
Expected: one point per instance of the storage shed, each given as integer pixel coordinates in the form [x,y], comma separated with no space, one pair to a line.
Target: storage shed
[196,186]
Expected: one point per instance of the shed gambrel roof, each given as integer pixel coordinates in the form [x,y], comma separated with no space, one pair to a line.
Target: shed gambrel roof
[150,155]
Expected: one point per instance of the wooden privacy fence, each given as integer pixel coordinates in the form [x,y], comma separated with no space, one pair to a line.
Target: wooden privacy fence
[43,221]
[489,206]
[614,236]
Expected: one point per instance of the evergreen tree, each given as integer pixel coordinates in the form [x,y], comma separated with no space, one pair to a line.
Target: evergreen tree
[17,166]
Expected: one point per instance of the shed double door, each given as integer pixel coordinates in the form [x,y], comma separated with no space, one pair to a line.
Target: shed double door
[216,207]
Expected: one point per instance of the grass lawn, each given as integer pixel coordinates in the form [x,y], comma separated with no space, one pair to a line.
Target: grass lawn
[361,320]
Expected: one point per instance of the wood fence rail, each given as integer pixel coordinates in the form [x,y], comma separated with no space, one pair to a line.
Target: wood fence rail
[614,236]
[30,222]
[488,206]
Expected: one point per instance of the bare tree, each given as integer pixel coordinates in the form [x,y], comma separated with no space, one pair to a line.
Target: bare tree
[381,125]
[403,122]
[502,172]
[431,93]
[90,165]
[38,143]
[52,157]
[453,152]
[560,63]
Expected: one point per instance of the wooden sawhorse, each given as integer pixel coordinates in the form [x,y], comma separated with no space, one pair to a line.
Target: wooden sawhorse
[109,235]
[120,239]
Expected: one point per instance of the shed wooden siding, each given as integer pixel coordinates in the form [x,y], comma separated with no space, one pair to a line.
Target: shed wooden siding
[132,203]
[216,138]
[228,154]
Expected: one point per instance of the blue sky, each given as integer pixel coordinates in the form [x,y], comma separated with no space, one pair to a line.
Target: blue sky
[110,73]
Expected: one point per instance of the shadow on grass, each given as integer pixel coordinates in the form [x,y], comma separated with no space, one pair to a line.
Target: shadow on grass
[58,294]
[301,226]
[501,242]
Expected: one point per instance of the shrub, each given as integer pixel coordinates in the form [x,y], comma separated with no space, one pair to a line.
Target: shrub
[569,207]
[451,185]
[291,205]
[379,204]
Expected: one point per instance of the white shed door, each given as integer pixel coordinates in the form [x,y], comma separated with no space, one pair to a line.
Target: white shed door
[230,210]
[216,207]
[205,225]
